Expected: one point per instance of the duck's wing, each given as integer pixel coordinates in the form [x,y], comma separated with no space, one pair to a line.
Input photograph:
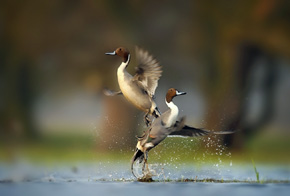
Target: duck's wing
[183,130]
[148,71]
[188,131]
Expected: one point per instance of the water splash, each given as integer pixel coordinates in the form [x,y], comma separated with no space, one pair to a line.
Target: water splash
[173,155]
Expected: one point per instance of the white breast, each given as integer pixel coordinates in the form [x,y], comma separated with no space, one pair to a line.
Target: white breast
[121,72]
[123,78]
[173,114]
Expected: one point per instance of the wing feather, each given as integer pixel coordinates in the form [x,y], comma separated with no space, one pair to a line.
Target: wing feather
[148,71]
[188,131]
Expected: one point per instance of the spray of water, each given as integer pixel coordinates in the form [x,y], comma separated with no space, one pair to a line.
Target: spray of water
[178,157]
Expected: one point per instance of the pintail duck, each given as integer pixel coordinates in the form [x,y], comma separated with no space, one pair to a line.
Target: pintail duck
[163,126]
[140,88]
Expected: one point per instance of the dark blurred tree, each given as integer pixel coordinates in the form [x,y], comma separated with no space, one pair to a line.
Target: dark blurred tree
[16,96]
[250,56]
[238,36]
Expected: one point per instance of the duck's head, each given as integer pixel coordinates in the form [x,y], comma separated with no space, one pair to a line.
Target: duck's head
[122,52]
[171,93]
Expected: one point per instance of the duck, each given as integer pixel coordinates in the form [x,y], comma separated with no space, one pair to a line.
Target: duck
[139,89]
[166,125]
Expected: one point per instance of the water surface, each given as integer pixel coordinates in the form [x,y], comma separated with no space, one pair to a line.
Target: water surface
[105,178]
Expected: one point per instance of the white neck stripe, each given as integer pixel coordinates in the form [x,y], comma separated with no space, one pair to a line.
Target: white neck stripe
[173,114]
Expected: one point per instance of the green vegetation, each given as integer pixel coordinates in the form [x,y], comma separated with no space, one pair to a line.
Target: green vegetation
[70,148]
[257,173]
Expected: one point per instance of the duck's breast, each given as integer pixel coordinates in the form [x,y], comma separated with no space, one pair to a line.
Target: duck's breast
[133,92]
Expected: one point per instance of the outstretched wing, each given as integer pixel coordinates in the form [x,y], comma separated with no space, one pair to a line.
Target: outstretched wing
[148,71]
[188,131]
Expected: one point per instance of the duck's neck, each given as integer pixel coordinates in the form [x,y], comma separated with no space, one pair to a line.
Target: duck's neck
[124,64]
[122,68]
[173,114]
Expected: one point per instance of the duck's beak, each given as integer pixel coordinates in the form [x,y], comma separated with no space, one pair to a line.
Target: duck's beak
[111,53]
[180,93]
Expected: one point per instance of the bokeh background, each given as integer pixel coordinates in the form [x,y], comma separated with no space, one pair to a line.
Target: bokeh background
[231,57]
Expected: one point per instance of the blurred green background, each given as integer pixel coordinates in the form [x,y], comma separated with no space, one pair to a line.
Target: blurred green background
[231,57]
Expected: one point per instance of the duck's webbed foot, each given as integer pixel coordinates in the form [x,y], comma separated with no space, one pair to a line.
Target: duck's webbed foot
[147,120]
[147,175]
[145,164]
[109,92]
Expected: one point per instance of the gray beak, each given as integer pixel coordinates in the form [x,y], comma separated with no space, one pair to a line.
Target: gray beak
[180,93]
[111,53]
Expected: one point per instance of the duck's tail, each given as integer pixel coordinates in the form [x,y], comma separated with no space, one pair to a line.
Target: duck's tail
[138,156]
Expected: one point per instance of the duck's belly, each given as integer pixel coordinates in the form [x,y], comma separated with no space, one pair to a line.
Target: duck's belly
[135,96]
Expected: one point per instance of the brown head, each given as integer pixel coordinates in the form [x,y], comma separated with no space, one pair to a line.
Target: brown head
[171,93]
[122,52]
